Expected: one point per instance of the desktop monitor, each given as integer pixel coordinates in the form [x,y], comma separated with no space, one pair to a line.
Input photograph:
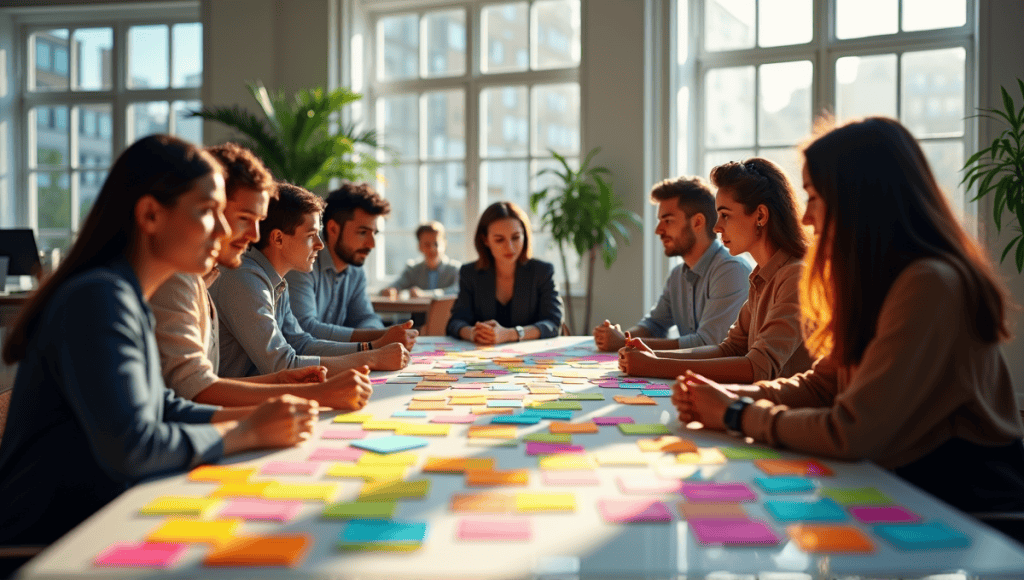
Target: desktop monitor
[20,246]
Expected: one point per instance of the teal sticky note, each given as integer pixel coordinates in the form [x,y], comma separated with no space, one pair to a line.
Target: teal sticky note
[519,419]
[749,453]
[582,397]
[784,484]
[390,443]
[633,385]
[503,404]
[822,510]
[856,496]
[930,536]
[657,392]
[556,414]
[409,414]
[559,405]
[643,429]
[359,531]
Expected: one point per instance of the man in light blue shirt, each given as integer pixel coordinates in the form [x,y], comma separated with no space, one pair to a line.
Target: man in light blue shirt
[704,294]
[331,301]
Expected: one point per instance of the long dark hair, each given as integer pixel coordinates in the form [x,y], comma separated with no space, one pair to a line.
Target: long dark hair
[500,210]
[161,166]
[883,210]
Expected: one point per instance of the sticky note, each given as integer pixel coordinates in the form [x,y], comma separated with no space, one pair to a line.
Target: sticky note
[177,505]
[572,477]
[856,496]
[241,489]
[289,468]
[620,511]
[784,484]
[518,419]
[453,418]
[545,390]
[261,509]
[424,430]
[389,460]
[667,444]
[344,433]
[557,414]
[504,404]
[492,503]
[428,406]
[643,429]
[487,477]
[613,457]
[712,491]
[390,444]
[545,502]
[656,392]
[728,532]
[883,514]
[275,550]
[221,473]
[639,400]
[382,490]
[492,431]
[485,410]
[717,510]
[177,530]
[806,467]
[794,511]
[560,405]
[366,472]
[537,448]
[748,453]
[492,529]
[382,424]
[457,464]
[549,437]
[703,456]
[829,539]
[490,442]
[360,532]
[409,414]
[430,397]
[582,397]
[336,454]
[648,484]
[301,491]
[467,400]
[929,536]
[565,461]
[612,420]
[142,555]
[575,428]
[352,418]
[349,510]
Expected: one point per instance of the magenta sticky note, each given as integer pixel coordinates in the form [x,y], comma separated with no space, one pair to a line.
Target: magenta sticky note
[612,420]
[261,509]
[607,384]
[494,529]
[464,418]
[343,433]
[336,454]
[378,380]
[648,484]
[888,514]
[570,477]
[621,511]
[141,555]
[733,532]
[289,468]
[541,448]
[713,491]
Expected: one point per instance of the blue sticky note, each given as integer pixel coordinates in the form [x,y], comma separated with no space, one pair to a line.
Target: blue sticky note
[805,511]
[784,484]
[519,419]
[633,385]
[404,413]
[359,531]
[513,404]
[657,392]
[389,444]
[557,414]
[930,536]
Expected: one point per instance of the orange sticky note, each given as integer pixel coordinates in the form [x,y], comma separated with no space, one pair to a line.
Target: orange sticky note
[428,406]
[490,503]
[492,431]
[485,477]
[441,378]
[565,427]
[638,400]
[825,538]
[721,511]
[667,444]
[457,464]
[221,473]
[492,410]
[806,467]
[276,550]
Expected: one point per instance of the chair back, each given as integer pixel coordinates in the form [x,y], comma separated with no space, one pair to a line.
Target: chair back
[438,313]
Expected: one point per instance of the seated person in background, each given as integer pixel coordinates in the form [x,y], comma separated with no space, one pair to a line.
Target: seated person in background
[757,213]
[186,320]
[908,314]
[436,275]
[506,295]
[258,333]
[330,301]
[90,415]
[704,294]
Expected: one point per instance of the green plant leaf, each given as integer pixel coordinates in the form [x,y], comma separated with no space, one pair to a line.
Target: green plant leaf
[1008,247]
[1011,110]
[1020,256]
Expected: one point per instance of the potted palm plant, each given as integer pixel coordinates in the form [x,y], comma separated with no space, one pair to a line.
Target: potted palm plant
[293,136]
[999,170]
[583,213]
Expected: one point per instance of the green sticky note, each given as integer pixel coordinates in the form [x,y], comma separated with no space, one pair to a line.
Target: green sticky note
[559,405]
[582,397]
[856,496]
[347,510]
[749,453]
[643,429]
[549,437]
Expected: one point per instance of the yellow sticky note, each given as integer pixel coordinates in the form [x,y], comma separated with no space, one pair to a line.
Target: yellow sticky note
[221,473]
[620,458]
[171,505]
[353,418]
[366,472]
[381,490]
[392,460]
[178,530]
[241,489]
[542,390]
[383,425]
[703,456]
[475,400]
[433,384]
[301,491]
[492,431]
[667,444]
[423,430]
[566,461]
[428,406]
[457,464]
[545,502]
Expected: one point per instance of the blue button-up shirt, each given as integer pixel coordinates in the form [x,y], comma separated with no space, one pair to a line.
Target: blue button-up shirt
[329,304]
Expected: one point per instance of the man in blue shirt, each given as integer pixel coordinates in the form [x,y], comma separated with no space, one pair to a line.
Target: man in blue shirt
[331,302]
[704,294]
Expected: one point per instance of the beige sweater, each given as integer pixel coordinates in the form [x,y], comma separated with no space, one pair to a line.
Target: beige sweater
[924,379]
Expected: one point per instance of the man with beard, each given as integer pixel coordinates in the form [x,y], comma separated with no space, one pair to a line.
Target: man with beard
[704,294]
[331,301]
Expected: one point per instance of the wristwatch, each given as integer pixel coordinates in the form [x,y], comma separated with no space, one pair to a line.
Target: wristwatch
[734,415]
[521,332]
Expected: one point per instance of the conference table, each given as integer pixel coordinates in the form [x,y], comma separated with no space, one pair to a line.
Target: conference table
[622,499]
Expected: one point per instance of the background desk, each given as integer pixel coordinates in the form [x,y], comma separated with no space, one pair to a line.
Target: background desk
[579,544]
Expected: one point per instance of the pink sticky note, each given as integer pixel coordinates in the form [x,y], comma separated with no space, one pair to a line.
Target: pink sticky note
[883,514]
[142,555]
[289,468]
[570,477]
[705,491]
[453,418]
[621,511]
[733,532]
[378,380]
[542,448]
[649,485]
[494,529]
[344,433]
[262,509]
[336,454]
[612,420]
[607,384]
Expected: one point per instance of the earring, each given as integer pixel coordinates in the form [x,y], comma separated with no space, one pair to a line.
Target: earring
[759,226]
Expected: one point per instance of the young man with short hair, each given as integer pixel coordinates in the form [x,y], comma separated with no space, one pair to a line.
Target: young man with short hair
[704,294]
[436,274]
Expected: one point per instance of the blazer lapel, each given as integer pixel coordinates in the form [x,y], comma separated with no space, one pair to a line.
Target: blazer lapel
[488,295]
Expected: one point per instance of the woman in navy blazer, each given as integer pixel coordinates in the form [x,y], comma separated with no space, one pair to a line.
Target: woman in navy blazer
[506,296]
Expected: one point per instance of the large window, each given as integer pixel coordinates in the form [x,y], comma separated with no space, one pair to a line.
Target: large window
[89,90]
[761,70]
[469,97]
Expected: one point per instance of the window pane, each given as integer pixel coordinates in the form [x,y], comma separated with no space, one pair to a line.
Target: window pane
[446,43]
[50,75]
[505,181]
[946,158]
[188,55]
[147,57]
[933,92]
[185,126]
[504,37]
[399,249]
[729,107]
[791,161]
[446,194]
[557,33]
[398,125]
[931,14]
[457,246]
[505,130]
[866,85]
[728,24]
[558,118]
[52,147]
[446,124]
[95,49]
[398,40]
[785,108]
[146,119]
[401,187]
[713,159]
[53,192]
[89,184]
[94,150]
[857,18]
[783,22]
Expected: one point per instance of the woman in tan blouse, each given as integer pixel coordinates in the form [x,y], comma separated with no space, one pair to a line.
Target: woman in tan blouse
[757,213]
[908,316]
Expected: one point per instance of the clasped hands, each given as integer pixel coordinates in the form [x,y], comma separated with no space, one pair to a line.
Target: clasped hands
[489,332]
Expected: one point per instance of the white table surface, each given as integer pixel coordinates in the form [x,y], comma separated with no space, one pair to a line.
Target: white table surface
[580,544]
